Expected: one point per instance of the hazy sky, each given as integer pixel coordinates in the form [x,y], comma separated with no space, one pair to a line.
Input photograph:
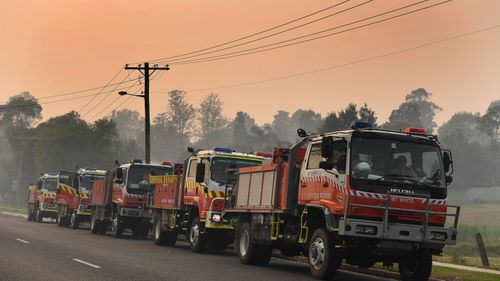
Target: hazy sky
[56,46]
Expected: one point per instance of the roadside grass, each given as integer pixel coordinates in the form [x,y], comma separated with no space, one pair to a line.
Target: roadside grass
[476,218]
[450,274]
[22,211]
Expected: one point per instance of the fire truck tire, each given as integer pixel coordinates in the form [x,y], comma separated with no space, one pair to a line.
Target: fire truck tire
[59,219]
[249,252]
[160,235]
[323,258]
[74,221]
[116,226]
[94,225]
[197,240]
[416,266]
[38,216]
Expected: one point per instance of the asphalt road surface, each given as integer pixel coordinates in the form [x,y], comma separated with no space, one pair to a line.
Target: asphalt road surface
[44,251]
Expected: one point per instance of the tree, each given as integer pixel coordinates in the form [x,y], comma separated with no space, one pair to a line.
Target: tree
[129,123]
[490,122]
[282,126]
[210,117]
[416,111]
[21,112]
[346,117]
[306,119]
[180,113]
[240,132]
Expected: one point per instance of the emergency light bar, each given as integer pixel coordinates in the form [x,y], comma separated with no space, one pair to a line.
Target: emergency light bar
[223,149]
[410,130]
[137,161]
[166,163]
[361,125]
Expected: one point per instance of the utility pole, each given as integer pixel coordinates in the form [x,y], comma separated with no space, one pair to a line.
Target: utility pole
[147,72]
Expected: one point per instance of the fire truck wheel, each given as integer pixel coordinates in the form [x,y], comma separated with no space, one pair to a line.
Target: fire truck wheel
[249,252]
[94,225]
[197,240]
[116,226]
[323,259]
[160,236]
[38,216]
[416,266]
[74,221]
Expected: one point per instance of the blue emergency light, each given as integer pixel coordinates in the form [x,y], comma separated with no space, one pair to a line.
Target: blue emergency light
[137,161]
[361,125]
[223,149]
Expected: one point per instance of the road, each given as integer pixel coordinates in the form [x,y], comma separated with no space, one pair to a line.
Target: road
[43,251]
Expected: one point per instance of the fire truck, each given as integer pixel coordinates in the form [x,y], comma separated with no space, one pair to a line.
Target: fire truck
[191,203]
[72,196]
[120,199]
[361,196]
[41,198]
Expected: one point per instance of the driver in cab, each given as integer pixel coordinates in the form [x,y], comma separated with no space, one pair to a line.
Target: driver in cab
[401,168]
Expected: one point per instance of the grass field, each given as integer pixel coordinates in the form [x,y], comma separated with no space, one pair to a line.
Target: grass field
[474,218]
[13,210]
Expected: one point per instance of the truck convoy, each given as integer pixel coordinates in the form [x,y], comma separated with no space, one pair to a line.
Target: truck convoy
[363,195]
[41,198]
[192,203]
[120,199]
[72,196]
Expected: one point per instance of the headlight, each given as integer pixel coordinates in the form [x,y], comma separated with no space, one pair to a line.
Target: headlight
[366,229]
[439,236]
[216,217]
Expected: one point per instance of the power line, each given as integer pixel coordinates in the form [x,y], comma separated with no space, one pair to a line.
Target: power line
[104,97]
[251,35]
[4,107]
[436,42]
[106,107]
[116,75]
[276,33]
[249,51]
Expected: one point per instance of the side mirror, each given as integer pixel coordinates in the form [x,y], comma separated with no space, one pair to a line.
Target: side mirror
[39,185]
[326,165]
[327,147]
[119,173]
[447,161]
[448,179]
[200,172]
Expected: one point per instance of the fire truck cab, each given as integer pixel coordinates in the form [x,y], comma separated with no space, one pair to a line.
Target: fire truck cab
[120,199]
[41,198]
[198,199]
[361,196]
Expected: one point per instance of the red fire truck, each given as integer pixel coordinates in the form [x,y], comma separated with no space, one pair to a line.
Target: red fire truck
[41,198]
[120,198]
[192,203]
[72,196]
[363,195]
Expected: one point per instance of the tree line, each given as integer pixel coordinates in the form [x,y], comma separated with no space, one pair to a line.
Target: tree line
[29,146]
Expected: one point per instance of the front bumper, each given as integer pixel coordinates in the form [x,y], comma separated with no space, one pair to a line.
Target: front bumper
[134,212]
[421,233]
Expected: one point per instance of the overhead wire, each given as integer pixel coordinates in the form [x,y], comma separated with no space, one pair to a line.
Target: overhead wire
[102,89]
[251,35]
[250,51]
[276,33]
[436,42]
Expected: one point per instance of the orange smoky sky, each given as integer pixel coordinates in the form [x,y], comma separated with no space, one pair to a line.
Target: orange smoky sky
[57,46]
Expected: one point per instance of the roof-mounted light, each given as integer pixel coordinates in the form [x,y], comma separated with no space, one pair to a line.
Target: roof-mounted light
[264,154]
[137,161]
[166,163]
[361,125]
[420,131]
[223,149]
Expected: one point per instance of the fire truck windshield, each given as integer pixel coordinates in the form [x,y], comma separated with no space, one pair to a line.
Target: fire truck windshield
[87,180]
[221,164]
[396,161]
[138,176]
[50,184]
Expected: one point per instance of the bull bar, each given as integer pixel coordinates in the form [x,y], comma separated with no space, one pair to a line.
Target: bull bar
[400,231]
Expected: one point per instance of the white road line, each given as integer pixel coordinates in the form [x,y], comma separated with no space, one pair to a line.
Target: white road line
[23,241]
[87,263]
